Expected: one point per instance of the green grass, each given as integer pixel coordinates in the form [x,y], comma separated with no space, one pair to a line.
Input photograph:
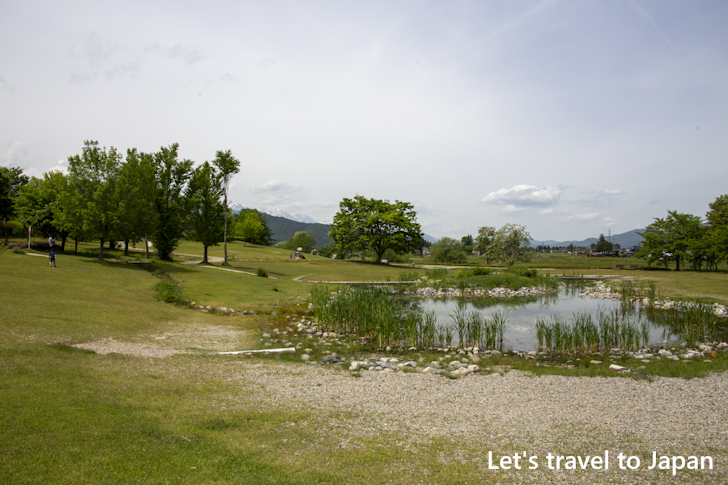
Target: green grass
[73,416]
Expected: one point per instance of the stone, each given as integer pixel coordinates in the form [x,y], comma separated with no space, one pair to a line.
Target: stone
[333,358]
[473,368]
[495,353]
[428,370]
[595,362]
[305,357]
[355,366]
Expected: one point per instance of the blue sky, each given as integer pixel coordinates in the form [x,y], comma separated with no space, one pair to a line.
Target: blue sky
[569,117]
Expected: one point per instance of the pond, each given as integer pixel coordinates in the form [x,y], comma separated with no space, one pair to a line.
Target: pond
[522,314]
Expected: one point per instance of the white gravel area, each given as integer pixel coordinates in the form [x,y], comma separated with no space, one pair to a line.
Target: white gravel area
[517,412]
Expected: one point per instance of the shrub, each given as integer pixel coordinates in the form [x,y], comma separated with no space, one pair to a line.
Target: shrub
[170,293]
[447,250]
[262,273]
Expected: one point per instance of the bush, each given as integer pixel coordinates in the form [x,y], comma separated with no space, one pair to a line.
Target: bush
[262,273]
[521,271]
[447,250]
[170,293]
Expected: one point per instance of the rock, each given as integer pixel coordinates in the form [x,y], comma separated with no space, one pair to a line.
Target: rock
[413,348]
[428,370]
[595,362]
[473,368]
[354,366]
[333,358]
[495,353]
[618,368]
[453,364]
[673,357]
[463,371]
[664,352]
[305,357]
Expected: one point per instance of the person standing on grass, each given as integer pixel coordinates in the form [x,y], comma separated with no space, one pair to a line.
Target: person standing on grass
[52,262]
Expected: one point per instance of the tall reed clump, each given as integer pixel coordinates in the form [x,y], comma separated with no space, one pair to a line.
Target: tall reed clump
[585,334]
[476,330]
[367,311]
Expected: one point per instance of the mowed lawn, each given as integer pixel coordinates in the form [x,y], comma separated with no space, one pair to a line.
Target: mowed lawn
[72,416]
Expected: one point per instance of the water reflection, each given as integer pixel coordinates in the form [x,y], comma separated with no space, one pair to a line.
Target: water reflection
[523,313]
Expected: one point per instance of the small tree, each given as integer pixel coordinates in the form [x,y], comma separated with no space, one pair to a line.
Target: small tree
[136,192]
[228,166]
[303,240]
[603,245]
[447,250]
[249,228]
[512,244]
[203,208]
[484,241]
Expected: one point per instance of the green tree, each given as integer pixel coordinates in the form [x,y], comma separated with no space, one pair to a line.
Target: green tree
[377,225]
[447,250]
[11,180]
[303,240]
[484,241]
[669,239]
[228,166]
[602,245]
[92,178]
[511,244]
[248,227]
[171,176]
[203,208]
[39,200]
[136,193]
[717,217]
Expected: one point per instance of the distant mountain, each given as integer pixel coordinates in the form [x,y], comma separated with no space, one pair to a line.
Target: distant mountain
[429,238]
[625,240]
[278,213]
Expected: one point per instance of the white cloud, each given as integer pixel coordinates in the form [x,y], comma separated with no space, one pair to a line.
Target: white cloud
[611,192]
[512,209]
[588,217]
[524,195]
[546,212]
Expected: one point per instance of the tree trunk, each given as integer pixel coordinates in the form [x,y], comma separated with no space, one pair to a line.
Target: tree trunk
[111,244]
[63,242]
[224,237]
[75,249]
[146,246]
[101,251]
[204,259]
[126,247]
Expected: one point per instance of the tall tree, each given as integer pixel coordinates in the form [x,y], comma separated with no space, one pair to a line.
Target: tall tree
[204,211]
[39,201]
[717,217]
[92,178]
[301,239]
[362,224]
[136,192]
[11,180]
[669,239]
[171,176]
[228,166]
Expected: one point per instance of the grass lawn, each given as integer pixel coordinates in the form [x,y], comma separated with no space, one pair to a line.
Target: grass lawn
[72,416]
[68,415]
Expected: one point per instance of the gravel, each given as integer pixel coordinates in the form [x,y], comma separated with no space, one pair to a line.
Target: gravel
[513,412]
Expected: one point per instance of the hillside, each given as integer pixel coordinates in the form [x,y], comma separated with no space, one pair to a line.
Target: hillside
[283,229]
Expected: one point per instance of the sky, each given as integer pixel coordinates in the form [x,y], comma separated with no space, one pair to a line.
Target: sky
[572,118]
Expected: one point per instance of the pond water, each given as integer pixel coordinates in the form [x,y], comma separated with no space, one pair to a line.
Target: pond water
[523,312]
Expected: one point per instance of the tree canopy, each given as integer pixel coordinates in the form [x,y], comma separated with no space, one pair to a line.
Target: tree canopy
[377,225]
[447,250]
[204,211]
